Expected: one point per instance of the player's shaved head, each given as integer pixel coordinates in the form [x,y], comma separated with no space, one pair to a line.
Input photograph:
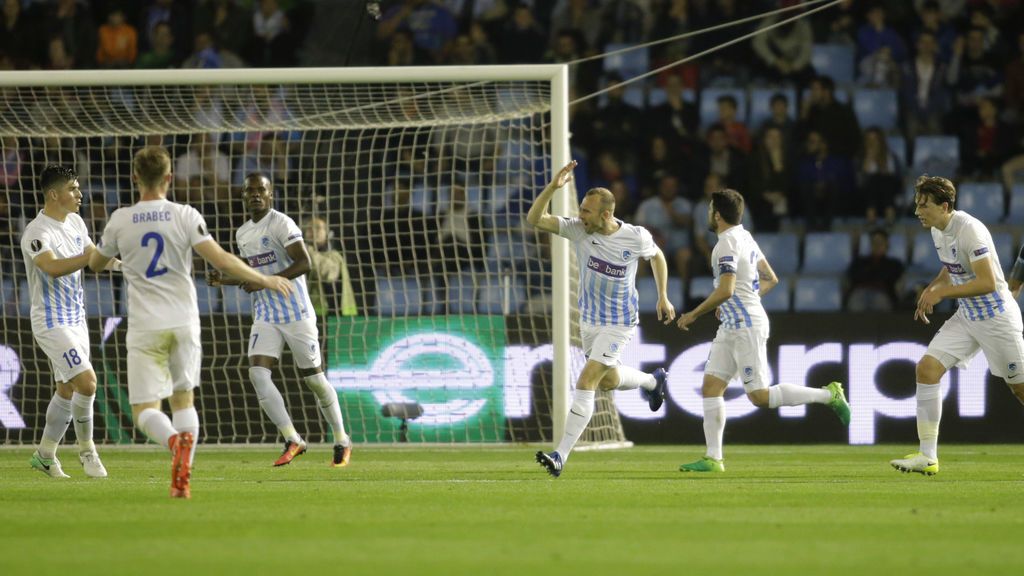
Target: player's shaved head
[151,166]
[606,198]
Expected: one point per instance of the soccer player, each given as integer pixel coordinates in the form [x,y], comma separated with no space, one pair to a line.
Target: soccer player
[987,317]
[56,247]
[271,242]
[608,251]
[742,277]
[155,238]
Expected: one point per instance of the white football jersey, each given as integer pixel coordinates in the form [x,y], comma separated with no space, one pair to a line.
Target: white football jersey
[264,245]
[737,253]
[607,265]
[55,301]
[964,241]
[155,240]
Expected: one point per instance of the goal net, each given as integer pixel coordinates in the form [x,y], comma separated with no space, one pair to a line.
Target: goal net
[443,317]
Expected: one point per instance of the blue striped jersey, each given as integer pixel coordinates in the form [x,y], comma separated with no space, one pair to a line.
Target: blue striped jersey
[264,245]
[607,263]
[964,241]
[737,253]
[55,301]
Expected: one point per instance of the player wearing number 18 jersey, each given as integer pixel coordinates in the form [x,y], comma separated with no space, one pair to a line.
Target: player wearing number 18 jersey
[155,238]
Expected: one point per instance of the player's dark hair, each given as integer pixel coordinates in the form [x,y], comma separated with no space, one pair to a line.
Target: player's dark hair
[606,197]
[728,99]
[937,188]
[827,83]
[151,165]
[55,175]
[779,97]
[729,205]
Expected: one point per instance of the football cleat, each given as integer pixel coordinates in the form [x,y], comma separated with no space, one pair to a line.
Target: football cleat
[93,466]
[342,456]
[49,466]
[838,402]
[705,464]
[292,450]
[181,468]
[655,398]
[917,462]
[552,462]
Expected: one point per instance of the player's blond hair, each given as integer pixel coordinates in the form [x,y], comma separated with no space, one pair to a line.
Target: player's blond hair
[937,188]
[151,165]
[605,196]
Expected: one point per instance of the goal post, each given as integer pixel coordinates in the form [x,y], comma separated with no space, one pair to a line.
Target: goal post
[391,160]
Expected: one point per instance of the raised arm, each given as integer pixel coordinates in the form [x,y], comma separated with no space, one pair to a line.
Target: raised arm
[538,216]
[766,277]
[666,312]
[235,267]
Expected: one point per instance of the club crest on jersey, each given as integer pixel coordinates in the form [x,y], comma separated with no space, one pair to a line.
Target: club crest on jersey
[265,242]
[626,255]
[748,373]
[1012,368]
[615,347]
[78,240]
[954,251]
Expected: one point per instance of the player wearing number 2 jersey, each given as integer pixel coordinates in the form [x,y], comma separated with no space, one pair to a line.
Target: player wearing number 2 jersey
[155,238]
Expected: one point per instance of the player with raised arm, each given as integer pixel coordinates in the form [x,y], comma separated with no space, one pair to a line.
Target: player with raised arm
[271,242]
[742,276]
[987,317]
[56,247]
[608,251]
[155,238]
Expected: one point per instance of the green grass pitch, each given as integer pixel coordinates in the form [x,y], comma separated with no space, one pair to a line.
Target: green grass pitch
[777,510]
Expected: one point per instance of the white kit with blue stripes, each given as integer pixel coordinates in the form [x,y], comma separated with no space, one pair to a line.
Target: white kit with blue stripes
[964,241]
[737,253]
[55,301]
[607,263]
[264,245]
[155,240]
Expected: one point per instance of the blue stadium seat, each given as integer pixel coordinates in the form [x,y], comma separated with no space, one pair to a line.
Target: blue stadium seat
[983,200]
[500,295]
[208,298]
[701,287]
[647,291]
[923,258]
[817,295]
[709,104]
[834,60]
[99,296]
[898,146]
[399,296]
[509,251]
[8,297]
[782,251]
[1006,249]
[936,155]
[1016,213]
[897,246]
[761,105]
[778,299]
[826,253]
[627,64]
[236,301]
[460,294]
[24,299]
[657,96]
[876,107]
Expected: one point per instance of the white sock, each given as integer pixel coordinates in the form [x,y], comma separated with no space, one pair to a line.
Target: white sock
[793,395]
[327,399]
[156,425]
[631,378]
[272,402]
[579,416]
[714,425]
[81,413]
[929,412]
[187,420]
[58,417]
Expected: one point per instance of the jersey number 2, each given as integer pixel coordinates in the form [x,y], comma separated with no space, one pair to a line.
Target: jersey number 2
[155,269]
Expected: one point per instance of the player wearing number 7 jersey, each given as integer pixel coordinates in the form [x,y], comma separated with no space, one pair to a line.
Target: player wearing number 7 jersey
[155,238]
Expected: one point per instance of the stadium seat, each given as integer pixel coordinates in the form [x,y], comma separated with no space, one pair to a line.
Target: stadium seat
[398,296]
[207,297]
[236,301]
[936,155]
[983,200]
[500,295]
[99,297]
[8,297]
[1016,213]
[24,299]
[778,299]
[826,253]
[761,105]
[701,287]
[923,258]
[460,294]
[836,61]
[898,146]
[897,246]
[781,250]
[627,64]
[817,295]
[876,107]
[657,96]
[647,291]
[709,104]
[1006,249]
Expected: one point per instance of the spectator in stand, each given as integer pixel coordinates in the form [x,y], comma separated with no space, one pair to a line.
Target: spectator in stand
[203,172]
[207,54]
[672,18]
[473,48]
[875,34]
[489,14]
[736,131]
[581,15]
[433,27]
[669,218]
[162,55]
[327,272]
[74,23]
[609,170]
[522,40]
[780,120]
[8,239]
[118,42]
[935,24]
[722,159]
[624,204]
[823,180]
[837,25]
[10,162]
[977,75]
[17,37]
[403,52]
[786,51]
[831,119]
[272,43]
[731,63]
[1015,84]
[980,17]
[986,143]
[461,234]
[676,119]
[229,25]
[879,178]
[879,70]
[925,90]
[661,160]
[949,9]
[619,124]
[622,22]
[569,46]
[57,55]
[163,12]
[872,278]
[771,181]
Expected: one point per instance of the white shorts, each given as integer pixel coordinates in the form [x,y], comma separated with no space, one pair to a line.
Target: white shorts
[161,362]
[67,348]
[302,337]
[604,344]
[999,337]
[740,353]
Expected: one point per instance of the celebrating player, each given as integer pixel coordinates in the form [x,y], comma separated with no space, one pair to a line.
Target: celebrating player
[742,277]
[155,238]
[608,251]
[987,317]
[271,241]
